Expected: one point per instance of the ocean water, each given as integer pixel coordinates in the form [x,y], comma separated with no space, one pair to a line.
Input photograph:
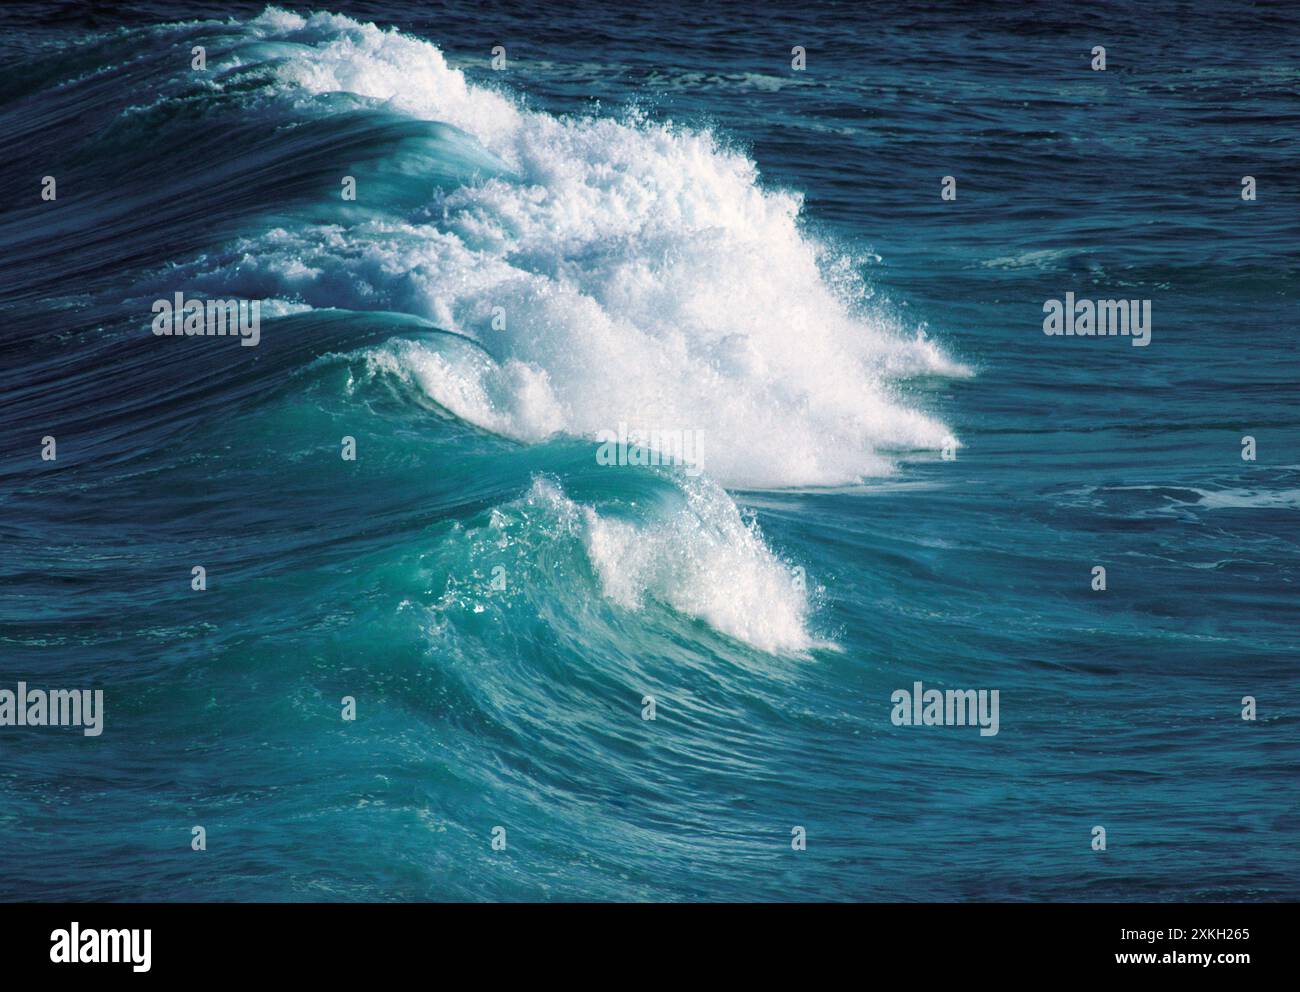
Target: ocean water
[648,221]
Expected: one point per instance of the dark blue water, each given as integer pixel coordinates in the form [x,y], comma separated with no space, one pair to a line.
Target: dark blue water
[648,221]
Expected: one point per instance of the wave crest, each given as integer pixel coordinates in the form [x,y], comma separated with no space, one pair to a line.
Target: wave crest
[689,550]
[620,271]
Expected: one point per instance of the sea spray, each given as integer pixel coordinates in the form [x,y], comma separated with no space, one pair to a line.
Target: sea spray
[619,270]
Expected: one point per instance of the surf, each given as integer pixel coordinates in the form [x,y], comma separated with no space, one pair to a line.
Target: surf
[616,270]
[536,277]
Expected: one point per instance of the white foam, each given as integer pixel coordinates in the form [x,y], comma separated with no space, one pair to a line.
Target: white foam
[701,558]
[504,399]
[645,277]
[1228,498]
[1239,499]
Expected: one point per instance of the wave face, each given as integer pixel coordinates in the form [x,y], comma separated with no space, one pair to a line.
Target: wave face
[719,251]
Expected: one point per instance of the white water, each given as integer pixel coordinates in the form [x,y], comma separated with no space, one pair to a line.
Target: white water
[700,558]
[643,273]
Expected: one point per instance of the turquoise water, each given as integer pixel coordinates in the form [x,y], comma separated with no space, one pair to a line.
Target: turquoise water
[648,221]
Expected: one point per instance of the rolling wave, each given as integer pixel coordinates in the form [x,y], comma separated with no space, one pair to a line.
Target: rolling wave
[619,270]
[586,274]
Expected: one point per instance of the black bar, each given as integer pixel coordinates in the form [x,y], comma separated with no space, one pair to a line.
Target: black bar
[988,943]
